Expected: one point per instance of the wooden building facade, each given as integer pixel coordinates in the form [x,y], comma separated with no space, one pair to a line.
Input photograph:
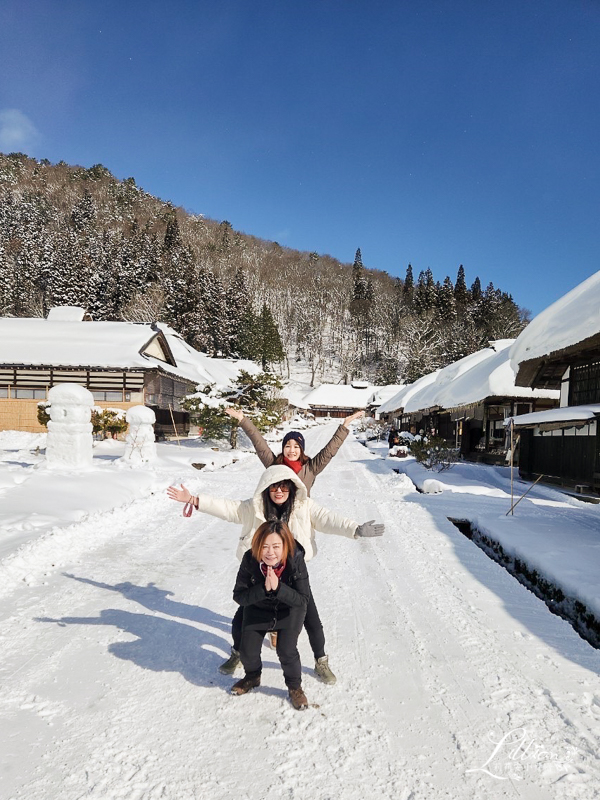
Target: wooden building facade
[151,378]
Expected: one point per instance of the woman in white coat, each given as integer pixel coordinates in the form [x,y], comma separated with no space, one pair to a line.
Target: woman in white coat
[280,494]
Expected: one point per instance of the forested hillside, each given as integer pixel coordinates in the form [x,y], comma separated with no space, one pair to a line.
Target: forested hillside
[70,235]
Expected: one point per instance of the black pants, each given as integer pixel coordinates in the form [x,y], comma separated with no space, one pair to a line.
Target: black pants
[287,652]
[312,623]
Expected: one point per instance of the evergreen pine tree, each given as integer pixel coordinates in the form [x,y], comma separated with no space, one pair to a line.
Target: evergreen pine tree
[446,302]
[225,231]
[360,287]
[409,285]
[461,293]
[237,302]
[6,284]
[84,213]
[172,241]
[249,338]
[476,290]
[425,294]
[218,319]
[271,349]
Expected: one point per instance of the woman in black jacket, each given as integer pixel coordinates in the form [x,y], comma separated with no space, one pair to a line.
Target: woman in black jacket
[272,588]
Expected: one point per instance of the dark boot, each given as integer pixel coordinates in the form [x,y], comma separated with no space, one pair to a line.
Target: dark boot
[298,699]
[248,682]
[229,667]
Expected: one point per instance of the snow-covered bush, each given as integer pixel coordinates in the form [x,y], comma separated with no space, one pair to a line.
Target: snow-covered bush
[108,421]
[370,428]
[434,453]
[43,412]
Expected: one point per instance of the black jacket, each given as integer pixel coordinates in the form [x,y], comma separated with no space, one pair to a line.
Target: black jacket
[273,610]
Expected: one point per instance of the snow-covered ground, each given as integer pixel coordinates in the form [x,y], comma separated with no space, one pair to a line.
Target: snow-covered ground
[554,533]
[454,681]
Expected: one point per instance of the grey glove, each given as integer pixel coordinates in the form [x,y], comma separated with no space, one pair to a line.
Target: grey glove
[368,529]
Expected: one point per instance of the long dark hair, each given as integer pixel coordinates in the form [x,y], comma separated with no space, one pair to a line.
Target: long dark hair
[282,512]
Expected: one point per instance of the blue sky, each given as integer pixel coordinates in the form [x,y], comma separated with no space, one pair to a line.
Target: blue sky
[431,132]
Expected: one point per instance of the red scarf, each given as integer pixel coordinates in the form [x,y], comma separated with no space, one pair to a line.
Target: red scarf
[278,569]
[295,465]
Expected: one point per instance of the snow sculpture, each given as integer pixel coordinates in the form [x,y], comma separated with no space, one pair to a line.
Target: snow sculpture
[140,445]
[69,442]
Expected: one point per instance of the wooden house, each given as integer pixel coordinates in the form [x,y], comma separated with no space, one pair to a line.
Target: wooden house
[560,350]
[466,403]
[121,363]
[338,400]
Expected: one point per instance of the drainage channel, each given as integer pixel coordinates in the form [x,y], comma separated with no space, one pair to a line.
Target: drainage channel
[582,620]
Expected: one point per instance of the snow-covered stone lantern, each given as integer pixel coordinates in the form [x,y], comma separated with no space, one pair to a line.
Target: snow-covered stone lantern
[140,445]
[69,442]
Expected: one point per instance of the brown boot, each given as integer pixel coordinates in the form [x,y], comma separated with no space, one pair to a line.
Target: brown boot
[298,699]
[245,684]
[273,639]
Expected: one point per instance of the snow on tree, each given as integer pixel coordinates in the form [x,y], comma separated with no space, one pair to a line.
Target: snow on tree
[258,396]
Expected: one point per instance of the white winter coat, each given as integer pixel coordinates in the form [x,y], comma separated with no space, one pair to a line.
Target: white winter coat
[306,517]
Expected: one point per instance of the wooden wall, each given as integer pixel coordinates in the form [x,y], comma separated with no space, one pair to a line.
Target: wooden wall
[21,415]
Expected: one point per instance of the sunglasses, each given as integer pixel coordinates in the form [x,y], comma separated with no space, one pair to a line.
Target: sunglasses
[279,487]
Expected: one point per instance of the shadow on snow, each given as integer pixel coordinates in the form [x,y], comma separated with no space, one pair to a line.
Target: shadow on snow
[166,645]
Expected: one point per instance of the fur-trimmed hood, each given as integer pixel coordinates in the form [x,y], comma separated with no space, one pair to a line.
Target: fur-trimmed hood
[306,516]
[276,474]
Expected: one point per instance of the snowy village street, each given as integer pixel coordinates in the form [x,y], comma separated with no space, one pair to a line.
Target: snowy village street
[454,681]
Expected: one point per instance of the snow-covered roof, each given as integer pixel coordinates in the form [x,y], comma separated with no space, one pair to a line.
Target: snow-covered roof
[106,345]
[331,395]
[489,376]
[399,400]
[557,417]
[471,380]
[296,395]
[429,395]
[67,313]
[202,368]
[569,321]
[383,393]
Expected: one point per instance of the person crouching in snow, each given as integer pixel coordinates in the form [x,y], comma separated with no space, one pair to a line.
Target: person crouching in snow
[293,446]
[280,495]
[273,591]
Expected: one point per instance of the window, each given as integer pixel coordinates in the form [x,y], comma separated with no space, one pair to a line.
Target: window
[109,397]
[3,391]
[30,394]
[585,384]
